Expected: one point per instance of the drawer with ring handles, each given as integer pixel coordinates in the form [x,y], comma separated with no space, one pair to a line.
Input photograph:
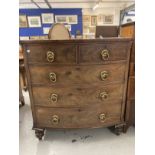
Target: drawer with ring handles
[76,74]
[56,96]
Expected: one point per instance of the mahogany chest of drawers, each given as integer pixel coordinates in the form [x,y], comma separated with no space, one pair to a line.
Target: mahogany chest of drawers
[77,83]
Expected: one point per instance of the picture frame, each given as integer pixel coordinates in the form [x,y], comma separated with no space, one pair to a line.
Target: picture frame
[23,21]
[46,30]
[47,18]
[92,30]
[100,19]
[61,19]
[34,21]
[86,25]
[86,18]
[72,19]
[86,31]
[108,19]
[93,20]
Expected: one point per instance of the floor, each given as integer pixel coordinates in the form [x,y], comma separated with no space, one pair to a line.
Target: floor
[72,142]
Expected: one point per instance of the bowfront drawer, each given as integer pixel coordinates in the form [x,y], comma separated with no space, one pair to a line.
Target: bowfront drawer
[77,74]
[99,53]
[93,116]
[77,96]
[53,54]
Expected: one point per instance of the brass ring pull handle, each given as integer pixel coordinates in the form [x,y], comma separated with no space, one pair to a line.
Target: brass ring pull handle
[50,56]
[52,77]
[104,75]
[102,117]
[54,98]
[105,54]
[55,119]
[104,95]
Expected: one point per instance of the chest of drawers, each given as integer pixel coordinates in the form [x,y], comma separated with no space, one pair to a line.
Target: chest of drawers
[77,83]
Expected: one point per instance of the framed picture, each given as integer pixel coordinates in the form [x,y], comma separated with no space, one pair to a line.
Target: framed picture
[93,20]
[86,25]
[92,30]
[61,19]
[86,31]
[68,27]
[72,19]
[47,18]
[34,21]
[108,19]
[100,19]
[46,30]
[86,18]
[23,21]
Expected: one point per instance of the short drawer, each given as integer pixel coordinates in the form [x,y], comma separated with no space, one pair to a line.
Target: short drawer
[77,74]
[75,96]
[94,116]
[100,53]
[51,53]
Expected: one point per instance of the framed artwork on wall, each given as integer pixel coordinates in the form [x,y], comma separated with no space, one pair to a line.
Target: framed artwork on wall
[92,30]
[100,18]
[93,20]
[34,21]
[61,19]
[86,18]
[72,19]
[46,30]
[86,31]
[23,21]
[47,18]
[108,19]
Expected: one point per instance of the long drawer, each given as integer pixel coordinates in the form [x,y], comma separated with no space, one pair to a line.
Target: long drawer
[51,53]
[77,74]
[76,96]
[85,117]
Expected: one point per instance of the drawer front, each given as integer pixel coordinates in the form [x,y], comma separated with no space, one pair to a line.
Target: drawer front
[99,53]
[77,96]
[94,116]
[72,74]
[53,54]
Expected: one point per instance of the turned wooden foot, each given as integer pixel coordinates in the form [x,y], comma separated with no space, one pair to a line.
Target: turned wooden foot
[39,133]
[117,129]
[125,128]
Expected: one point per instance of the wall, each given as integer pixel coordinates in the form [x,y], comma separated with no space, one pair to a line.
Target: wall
[106,11]
[100,11]
[37,12]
